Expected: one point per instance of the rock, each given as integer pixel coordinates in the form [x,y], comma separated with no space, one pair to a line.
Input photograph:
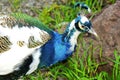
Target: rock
[107,25]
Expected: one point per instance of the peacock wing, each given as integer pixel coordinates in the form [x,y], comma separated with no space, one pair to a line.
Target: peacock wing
[22,30]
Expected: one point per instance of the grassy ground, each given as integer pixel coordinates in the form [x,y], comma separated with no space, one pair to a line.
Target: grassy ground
[74,68]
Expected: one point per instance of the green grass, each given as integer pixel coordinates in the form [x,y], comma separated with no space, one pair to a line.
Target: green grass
[82,65]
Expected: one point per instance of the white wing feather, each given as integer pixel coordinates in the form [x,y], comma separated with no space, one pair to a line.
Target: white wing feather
[16,54]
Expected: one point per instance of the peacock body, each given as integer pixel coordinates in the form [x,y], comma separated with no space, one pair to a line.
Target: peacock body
[26,44]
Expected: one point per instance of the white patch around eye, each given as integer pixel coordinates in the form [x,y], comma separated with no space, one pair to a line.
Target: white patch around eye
[80,26]
[84,19]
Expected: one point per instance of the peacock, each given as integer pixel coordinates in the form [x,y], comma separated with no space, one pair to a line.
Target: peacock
[27,44]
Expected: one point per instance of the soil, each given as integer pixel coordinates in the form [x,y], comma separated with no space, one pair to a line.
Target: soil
[107,26]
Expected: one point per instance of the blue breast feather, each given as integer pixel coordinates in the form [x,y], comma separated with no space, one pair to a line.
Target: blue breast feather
[54,50]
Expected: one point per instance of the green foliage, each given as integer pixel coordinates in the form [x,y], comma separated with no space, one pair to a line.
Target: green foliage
[58,13]
[15,5]
[116,69]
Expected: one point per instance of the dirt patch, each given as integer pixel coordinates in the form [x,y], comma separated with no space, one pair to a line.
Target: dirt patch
[107,25]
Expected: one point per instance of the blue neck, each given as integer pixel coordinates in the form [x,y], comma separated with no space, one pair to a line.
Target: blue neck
[58,48]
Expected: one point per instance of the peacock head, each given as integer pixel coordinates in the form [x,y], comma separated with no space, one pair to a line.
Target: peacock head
[83,24]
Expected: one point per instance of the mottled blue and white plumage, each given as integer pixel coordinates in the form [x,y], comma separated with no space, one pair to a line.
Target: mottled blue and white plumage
[61,46]
[27,44]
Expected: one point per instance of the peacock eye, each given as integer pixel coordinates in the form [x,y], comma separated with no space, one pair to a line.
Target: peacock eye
[83,26]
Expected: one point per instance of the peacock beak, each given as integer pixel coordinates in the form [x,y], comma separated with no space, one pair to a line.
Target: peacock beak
[92,31]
